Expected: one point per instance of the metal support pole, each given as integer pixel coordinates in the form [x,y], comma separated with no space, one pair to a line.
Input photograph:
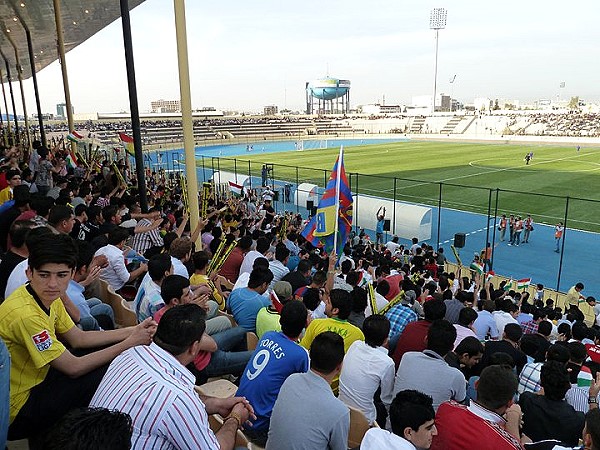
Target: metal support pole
[394,212]
[6,135]
[133,105]
[487,228]
[355,212]
[65,77]
[186,111]
[235,169]
[562,249]
[35,86]
[439,224]
[250,172]
[20,79]
[297,192]
[437,35]
[494,231]
[17,138]
[203,170]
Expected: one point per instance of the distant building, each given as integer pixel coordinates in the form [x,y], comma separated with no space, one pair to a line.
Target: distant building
[382,109]
[270,110]
[61,110]
[166,106]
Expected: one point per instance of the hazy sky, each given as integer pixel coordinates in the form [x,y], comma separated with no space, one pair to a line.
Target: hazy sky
[247,54]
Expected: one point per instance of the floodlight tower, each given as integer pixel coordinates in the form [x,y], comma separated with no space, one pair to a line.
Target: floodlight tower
[437,22]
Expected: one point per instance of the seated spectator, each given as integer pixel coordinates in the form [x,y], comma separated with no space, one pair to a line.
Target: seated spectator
[466,355]
[485,325]
[276,357]
[231,267]
[509,344]
[548,415]
[245,303]
[529,378]
[181,252]
[148,299]
[93,313]
[368,368]
[216,283]
[337,308]
[464,326]
[428,372]
[13,177]
[590,437]
[455,304]
[413,338]
[412,422]
[399,315]
[581,375]
[299,277]
[325,420]
[491,423]
[18,252]
[144,241]
[278,265]
[223,350]
[267,318]
[61,218]
[47,380]
[160,371]
[358,297]
[508,313]
[116,273]
[92,429]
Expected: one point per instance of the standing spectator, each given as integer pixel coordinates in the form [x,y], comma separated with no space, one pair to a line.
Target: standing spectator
[574,296]
[231,267]
[558,233]
[322,421]
[528,227]
[502,226]
[379,228]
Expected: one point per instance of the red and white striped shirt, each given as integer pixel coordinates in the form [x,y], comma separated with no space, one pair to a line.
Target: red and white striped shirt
[151,386]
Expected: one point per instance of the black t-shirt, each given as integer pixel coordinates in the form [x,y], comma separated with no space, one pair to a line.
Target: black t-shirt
[9,262]
[296,279]
[270,214]
[550,419]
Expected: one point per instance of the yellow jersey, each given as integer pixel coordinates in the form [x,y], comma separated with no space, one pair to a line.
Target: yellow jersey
[200,280]
[349,333]
[29,331]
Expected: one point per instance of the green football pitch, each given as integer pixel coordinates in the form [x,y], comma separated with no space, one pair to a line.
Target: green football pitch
[471,176]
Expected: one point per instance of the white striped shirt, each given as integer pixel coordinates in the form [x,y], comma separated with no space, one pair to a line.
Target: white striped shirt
[151,386]
[141,242]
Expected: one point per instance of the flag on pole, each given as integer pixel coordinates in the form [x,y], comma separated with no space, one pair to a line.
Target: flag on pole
[523,283]
[477,267]
[74,136]
[509,285]
[324,230]
[127,142]
[236,189]
[71,158]
[489,276]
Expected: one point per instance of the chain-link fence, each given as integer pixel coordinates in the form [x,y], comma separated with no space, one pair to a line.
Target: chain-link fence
[454,209]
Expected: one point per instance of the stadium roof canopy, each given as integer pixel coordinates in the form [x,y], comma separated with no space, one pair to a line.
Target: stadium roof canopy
[81,20]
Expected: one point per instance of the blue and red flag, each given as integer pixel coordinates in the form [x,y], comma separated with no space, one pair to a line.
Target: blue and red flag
[337,199]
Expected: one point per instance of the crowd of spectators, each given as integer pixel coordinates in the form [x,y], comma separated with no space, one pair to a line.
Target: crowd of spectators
[432,359]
